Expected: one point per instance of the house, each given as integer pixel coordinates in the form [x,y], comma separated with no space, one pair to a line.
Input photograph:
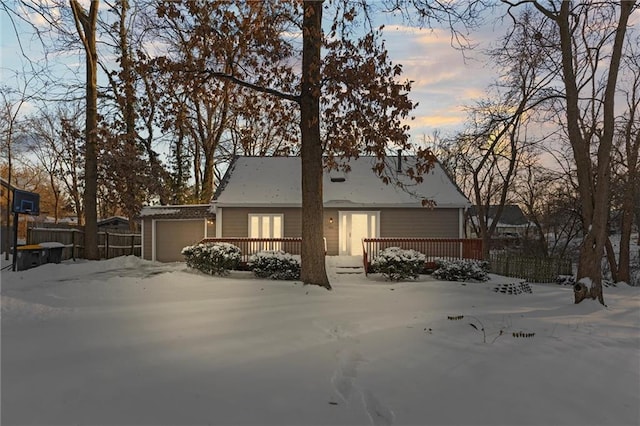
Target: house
[260,197]
[114,223]
[167,229]
[512,224]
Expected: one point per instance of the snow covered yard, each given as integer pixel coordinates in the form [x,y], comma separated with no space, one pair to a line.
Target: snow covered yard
[130,342]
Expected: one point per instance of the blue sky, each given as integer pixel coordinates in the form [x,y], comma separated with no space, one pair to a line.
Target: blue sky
[444,80]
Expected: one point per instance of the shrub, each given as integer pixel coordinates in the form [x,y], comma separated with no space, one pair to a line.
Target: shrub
[276,265]
[461,270]
[566,280]
[212,258]
[396,264]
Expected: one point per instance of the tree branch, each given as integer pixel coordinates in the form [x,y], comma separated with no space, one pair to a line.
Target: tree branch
[258,88]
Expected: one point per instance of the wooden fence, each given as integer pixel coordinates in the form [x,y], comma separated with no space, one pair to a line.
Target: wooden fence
[532,269]
[432,248]
[110,244]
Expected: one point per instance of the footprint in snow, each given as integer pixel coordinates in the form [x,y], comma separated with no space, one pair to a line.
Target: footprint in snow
[343,382]
[379,414]
[346,373]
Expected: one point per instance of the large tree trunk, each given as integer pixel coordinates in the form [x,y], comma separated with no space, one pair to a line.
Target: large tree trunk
[624,261]
[86,26]
[611,258]
[313,269]
[589,267]
[132,205]
[7,235]
[629,201]
[594,193]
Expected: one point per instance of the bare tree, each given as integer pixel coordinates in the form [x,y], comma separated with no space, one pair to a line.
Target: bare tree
[625,165]
[42,142]
[58,19]
[123,119]
[12,102]
[86,23]
[588,41]
[54,137]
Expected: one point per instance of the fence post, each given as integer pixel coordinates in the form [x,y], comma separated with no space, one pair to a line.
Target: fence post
[132,244]
[73,244]
[106,245]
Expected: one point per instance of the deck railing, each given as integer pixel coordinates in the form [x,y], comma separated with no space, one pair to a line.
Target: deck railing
[250,246]
[432,248]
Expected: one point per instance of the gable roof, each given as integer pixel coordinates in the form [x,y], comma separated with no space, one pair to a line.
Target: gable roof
[511,214]
[276,182]
[114,220]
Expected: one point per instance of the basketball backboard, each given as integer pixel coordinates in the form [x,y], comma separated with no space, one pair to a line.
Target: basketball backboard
[26,202]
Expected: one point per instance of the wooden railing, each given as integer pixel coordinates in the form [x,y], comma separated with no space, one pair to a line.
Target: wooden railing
[250,246]
[432,248]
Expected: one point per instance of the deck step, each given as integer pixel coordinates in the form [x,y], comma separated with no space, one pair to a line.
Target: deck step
[351,270]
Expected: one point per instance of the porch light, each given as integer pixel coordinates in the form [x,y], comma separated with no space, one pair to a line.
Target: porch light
[330,220]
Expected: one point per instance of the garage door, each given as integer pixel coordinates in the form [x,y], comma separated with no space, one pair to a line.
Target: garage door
[173,235]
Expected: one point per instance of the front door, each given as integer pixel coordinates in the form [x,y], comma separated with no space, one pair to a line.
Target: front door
[354,226]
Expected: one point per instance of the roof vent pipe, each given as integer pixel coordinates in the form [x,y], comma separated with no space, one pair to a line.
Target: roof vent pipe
[399,170]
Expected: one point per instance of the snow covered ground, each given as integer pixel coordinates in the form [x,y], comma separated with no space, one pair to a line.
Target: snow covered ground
[131,342]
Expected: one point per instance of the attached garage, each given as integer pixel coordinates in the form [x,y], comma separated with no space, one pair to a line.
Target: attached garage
[167,229]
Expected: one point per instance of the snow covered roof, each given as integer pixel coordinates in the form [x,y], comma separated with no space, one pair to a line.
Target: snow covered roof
[113,220]
[275,181]
[188,211]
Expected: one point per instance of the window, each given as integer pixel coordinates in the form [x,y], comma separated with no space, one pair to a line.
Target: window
[265,226]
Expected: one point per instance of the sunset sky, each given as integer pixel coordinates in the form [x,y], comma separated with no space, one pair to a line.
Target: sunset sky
[444,79]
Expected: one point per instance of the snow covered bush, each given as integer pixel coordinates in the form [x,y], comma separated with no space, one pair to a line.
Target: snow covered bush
[396,264]
[461,270]
[566,280]
[212,258]
[276,265]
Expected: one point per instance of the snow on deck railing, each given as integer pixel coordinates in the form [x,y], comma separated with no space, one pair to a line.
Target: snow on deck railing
[250,246]
[432,248]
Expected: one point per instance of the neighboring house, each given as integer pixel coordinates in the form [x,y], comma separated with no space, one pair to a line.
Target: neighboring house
[260,197]
[167,229]
[69,220]
[114,223]
[513,223]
